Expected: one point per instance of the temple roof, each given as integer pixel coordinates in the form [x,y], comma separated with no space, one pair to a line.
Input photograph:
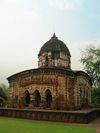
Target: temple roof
[54,45]
[50,70]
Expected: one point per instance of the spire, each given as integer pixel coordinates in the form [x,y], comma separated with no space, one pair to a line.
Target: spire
[54,37]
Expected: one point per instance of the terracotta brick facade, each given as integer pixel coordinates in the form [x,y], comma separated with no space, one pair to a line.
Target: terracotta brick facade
[66,90]
[53,85]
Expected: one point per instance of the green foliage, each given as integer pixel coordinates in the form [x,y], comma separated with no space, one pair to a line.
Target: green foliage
[4,88]
[24,126]
[96,97]
[4,91]
[91,61]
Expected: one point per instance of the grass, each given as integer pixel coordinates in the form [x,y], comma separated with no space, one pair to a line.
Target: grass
[25,126]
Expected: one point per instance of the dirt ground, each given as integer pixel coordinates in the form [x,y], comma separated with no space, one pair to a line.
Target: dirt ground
[96,123]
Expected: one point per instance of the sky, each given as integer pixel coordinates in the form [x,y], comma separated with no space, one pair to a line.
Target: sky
[25,25]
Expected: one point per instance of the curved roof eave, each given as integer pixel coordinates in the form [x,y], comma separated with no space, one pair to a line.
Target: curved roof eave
[54,70]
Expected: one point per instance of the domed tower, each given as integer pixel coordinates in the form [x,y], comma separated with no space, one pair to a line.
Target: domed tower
[54,53]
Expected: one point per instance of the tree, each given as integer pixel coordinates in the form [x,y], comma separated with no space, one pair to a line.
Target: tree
[4,94]
[4,88]
[95,97]
[91,61]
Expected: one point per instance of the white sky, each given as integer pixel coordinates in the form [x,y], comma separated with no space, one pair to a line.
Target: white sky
[25,25]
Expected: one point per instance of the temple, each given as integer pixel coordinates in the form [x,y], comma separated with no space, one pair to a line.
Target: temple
[53,85]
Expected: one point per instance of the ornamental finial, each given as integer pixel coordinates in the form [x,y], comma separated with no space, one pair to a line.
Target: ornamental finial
[54,36]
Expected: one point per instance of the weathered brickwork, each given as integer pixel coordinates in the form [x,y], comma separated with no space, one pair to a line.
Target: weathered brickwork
[66,91]
[53,85]
[52,115]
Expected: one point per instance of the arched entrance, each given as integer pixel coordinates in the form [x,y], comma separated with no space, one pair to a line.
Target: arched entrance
[1,102]
[37,98]
[26,98]
[48,98]
[46,61]
[83,97]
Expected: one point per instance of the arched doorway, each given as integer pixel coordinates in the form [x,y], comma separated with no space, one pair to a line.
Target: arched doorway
[26,98]
[46,61]
[48,98]
[83,98]
[37,98]
[1,102]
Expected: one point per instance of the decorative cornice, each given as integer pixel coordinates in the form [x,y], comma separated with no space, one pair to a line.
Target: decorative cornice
[49,71]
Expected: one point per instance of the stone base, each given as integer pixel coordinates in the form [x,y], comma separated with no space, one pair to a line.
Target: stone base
[82,116]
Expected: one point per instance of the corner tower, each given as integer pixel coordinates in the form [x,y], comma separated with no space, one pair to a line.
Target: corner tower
[54,53]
